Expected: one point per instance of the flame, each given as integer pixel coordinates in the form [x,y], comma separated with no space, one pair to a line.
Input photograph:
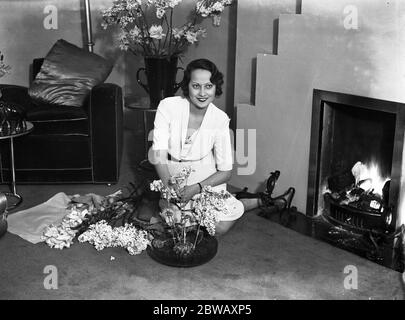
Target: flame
[371,175]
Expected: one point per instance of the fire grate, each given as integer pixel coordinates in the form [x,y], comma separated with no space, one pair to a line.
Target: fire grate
[361,220]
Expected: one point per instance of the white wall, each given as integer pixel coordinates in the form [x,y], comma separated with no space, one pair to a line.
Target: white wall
[23,38]
[315,50]
[256,33]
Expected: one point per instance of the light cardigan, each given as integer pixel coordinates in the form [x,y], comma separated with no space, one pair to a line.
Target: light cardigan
[170,130]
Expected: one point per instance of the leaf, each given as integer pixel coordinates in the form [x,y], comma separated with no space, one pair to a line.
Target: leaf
[154,220]
[156,227]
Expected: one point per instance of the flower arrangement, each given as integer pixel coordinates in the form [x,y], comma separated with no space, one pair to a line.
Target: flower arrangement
[185,220]
[146,26]
[91,218]
[4,68]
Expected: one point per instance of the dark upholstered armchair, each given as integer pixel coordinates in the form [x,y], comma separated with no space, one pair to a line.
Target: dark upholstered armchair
[68,145]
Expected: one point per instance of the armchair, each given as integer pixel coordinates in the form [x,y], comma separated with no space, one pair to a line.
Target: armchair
[68,144]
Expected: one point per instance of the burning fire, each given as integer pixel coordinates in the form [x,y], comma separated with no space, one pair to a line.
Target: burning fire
[368,177]
[368,193]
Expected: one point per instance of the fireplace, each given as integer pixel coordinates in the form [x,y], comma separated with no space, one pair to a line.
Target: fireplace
[356,141]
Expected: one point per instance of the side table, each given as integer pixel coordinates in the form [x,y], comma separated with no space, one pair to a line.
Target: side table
[144,164]
[11,136]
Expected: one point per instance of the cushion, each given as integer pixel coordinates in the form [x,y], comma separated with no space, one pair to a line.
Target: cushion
[67,75]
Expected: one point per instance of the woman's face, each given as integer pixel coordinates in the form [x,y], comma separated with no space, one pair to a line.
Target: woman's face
[201,89]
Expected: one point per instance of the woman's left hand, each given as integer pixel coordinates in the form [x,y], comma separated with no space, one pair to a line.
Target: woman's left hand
[189,192]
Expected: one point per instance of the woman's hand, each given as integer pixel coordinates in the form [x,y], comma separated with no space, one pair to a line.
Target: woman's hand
[189,192]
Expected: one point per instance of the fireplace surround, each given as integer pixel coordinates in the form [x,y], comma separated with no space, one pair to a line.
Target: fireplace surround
[347,128]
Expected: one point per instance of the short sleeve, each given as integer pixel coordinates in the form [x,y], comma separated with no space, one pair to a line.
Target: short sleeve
[223,147]
[161,129]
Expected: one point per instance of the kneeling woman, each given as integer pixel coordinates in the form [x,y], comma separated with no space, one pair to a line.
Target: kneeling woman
[191,131]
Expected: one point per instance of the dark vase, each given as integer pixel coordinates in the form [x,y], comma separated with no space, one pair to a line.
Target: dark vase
[164,253]
[161,78]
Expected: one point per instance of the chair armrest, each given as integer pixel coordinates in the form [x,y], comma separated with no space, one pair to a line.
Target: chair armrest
[36,67]
[105,109]
[16,94]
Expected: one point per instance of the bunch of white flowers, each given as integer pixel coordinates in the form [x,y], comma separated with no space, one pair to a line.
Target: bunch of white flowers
[102,235]
[166,193]
[180,179]
[131,238]
[207,206]
[175,183]
[61,235]
[213,9]
[146,26]
[80,211]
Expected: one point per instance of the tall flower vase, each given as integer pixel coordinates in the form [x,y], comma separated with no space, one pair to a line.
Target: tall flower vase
[161,78]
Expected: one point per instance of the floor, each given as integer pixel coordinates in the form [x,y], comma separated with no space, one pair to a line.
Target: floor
[258,259]
[381,248]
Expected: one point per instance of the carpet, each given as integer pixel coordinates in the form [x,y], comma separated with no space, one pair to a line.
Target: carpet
[257,259]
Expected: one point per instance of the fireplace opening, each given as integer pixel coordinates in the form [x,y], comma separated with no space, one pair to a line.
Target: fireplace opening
[355,171]
[356,155]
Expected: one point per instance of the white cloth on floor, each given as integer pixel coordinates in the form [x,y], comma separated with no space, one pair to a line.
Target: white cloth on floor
[29,224]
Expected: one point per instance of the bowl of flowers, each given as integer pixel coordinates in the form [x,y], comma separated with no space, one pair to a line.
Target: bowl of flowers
[187,234]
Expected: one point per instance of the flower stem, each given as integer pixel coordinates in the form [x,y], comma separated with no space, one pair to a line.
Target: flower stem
[147,27]
[167,35]
[171,30]
[196,237]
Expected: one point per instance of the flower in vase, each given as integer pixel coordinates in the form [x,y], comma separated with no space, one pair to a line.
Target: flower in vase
[185,219]
[156,32]
[147,26]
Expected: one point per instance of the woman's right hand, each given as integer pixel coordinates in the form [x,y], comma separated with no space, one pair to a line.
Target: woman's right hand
[188,192]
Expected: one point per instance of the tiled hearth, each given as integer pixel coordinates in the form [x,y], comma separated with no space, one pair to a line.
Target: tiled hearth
[377,248]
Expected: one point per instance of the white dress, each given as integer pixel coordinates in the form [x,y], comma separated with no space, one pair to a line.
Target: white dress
[208,150]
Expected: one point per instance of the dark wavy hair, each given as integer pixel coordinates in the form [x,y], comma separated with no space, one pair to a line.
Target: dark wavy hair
[217,78]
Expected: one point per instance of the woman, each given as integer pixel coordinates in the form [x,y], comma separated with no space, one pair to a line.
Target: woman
[190,131]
